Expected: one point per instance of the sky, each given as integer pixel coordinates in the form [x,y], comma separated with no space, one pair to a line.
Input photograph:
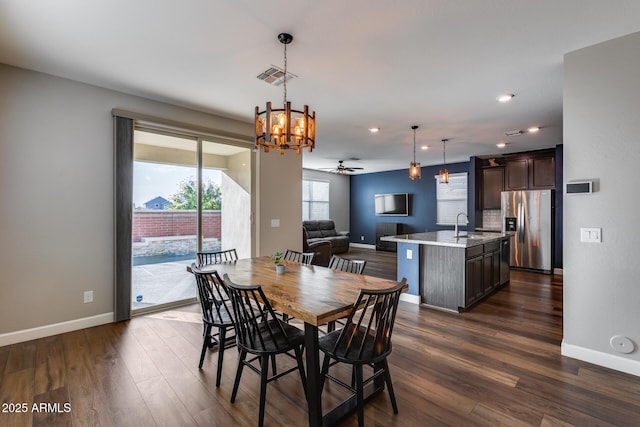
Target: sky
[151,180]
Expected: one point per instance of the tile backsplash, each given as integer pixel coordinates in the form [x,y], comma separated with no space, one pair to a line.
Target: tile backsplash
[491,218]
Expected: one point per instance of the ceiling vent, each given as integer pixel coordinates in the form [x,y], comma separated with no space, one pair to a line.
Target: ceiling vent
[514,133]
[275,76]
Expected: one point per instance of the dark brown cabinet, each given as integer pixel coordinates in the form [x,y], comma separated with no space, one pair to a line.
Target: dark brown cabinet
[473,278]
[517,174]
[531,172]
[542,173]
[505,260]
[491,267]
[483,269]
[474,288]
[492,186]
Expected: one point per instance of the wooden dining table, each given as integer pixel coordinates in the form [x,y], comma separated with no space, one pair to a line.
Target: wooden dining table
[315,295]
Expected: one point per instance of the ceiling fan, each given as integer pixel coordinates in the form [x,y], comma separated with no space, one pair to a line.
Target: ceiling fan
[341,168]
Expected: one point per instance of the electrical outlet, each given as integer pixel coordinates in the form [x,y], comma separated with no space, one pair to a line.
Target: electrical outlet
[88,296]
[362,237]
[409,254]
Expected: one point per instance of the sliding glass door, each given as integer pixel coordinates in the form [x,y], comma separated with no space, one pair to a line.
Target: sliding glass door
[189,195]
[164,230]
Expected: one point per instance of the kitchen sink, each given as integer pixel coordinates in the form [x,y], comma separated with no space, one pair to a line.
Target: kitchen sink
[468,236]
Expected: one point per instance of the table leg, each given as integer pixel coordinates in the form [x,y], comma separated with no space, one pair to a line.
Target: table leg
[313,374]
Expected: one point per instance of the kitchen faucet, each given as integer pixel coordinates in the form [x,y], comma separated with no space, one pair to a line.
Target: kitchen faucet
[456,233]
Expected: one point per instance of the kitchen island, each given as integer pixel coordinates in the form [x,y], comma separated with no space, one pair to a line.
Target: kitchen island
[453,272]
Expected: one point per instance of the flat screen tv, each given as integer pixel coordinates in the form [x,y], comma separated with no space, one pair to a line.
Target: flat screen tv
[395,204]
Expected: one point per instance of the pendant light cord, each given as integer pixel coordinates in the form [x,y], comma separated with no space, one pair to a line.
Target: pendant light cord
[285,74]
[414,145]
[444,151]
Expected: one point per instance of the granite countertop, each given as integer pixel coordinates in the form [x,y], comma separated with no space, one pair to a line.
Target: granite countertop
[447,238]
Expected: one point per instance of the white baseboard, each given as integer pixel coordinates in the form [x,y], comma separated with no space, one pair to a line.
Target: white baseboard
[362,245]
[414,299]
[54,329]
[607,360]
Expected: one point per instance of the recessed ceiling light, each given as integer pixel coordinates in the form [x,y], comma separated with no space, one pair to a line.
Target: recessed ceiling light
[533,129]
[374,130]
[505,97]
[501,144]
[424,147]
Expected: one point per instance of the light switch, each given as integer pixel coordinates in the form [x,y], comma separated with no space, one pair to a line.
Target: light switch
[409,254]
[591,235]
[275,223]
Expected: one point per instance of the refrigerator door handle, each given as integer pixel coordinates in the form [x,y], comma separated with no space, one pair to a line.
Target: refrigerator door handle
[520,225]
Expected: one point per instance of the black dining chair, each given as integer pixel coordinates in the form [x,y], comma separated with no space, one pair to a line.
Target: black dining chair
[297,256]
[260,333]
[216,257]
[364,340]
[216,313]
[349,265]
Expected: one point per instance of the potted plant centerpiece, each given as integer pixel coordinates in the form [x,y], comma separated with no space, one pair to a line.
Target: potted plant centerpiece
[277,260]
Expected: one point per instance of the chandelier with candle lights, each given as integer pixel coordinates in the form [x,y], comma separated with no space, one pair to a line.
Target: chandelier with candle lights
[285,128]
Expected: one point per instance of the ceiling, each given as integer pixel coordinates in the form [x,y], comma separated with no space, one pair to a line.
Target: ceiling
[438,64]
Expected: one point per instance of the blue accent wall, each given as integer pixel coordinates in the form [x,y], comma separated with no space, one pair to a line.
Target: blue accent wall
[409,268]
[422,200]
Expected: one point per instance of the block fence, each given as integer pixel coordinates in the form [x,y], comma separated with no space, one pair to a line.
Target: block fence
[169,223]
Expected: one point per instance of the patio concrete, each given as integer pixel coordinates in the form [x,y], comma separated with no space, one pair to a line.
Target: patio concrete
[161,283]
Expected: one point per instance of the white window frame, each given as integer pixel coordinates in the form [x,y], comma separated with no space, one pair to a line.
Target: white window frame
[312,200]
[451,198]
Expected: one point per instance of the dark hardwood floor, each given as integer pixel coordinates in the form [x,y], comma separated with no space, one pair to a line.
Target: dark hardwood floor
[379,263]
[497,364]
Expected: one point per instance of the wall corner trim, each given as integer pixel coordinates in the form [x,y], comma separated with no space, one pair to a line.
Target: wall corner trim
[413,299]
[54,329]
[362,245]
[599,358]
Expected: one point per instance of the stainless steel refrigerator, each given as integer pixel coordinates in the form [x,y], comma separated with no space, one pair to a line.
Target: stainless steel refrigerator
[529,214]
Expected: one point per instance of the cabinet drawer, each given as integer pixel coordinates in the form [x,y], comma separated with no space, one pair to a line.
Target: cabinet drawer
[474,251]
[492,246]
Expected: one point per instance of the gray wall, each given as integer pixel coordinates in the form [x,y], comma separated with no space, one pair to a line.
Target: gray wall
[339,196]
[601,142]
[56,191]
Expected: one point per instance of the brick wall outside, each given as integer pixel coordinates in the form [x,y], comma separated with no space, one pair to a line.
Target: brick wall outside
[173,223]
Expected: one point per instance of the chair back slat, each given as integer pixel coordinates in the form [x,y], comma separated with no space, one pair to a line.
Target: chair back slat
[368,329]
[247,315]
[208,258]
[349,265]
[296,256]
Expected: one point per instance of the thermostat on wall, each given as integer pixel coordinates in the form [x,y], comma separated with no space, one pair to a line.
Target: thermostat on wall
[579,187]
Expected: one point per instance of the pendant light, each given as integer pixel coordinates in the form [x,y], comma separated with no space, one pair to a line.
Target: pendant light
[443,176]
[285,128]
[414,168]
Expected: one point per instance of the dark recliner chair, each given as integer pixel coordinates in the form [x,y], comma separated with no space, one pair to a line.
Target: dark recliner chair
[321,249]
